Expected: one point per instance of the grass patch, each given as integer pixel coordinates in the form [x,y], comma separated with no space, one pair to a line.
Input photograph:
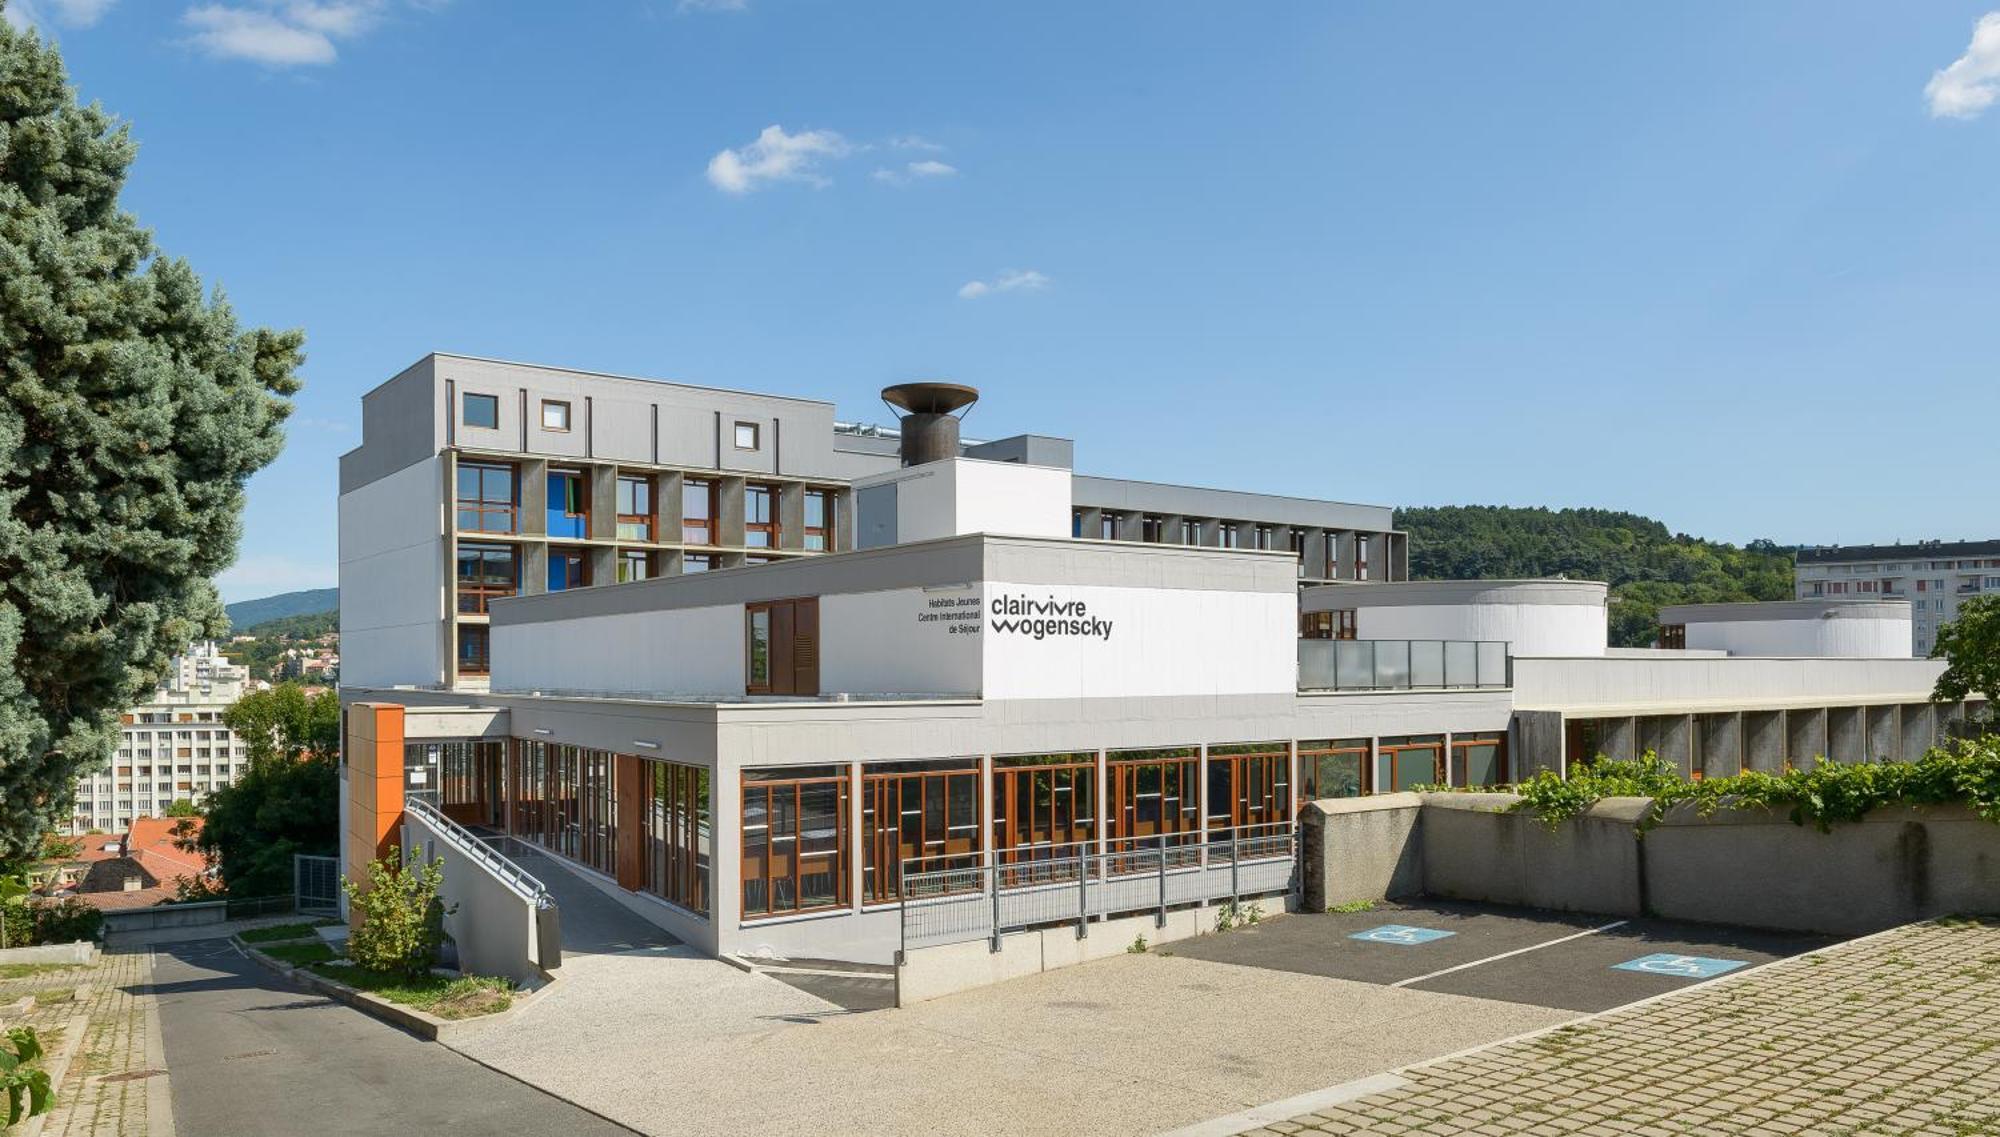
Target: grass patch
[1351,907]
[462,998]
[277,933]
[298,955]
[29,970]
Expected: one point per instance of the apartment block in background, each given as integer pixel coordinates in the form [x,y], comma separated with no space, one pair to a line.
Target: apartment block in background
[1934,576]
[173,747]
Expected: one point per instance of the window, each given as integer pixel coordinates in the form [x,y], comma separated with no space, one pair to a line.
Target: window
[474,650]
[1076,523]
[1333,767]
[485,572]
[794,840]
[781,647]
[635,507]
[1107,526]
[697,562]
[1154,798]
[675,805]
[568,568]
[819,520]
[1249,787]
[1044,806]
[564,800]
[569,504]
[1231,536]
[1478,759]
[1190,531]
[698,512]
[634,564]
[1673,636]
[1337,624]
[1405,763]
[1296,542]
[760,517]
[1150,529]
[1266,537]
[555,415]
[482,411]
[746,436]
[919,816]
[1361,558]
[485,498]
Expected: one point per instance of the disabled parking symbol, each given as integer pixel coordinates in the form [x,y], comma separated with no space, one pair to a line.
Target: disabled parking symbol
[1403,935]
[1679,966]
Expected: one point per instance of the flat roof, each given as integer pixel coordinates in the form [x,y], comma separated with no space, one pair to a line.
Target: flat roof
[1812,609]
[1838,554]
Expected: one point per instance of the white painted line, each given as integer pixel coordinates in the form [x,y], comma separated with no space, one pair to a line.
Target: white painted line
[884,976]
[1292,1107]
[1508,954]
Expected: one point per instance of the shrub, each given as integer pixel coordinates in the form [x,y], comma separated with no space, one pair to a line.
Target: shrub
[401,921]
[67,921]
[27,1087]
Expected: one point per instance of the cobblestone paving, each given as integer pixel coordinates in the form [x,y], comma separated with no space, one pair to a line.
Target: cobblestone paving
[116,1082]
[1895,1034]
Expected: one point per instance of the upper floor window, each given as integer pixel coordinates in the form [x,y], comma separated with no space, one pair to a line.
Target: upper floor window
[485,498]
[569,504]
[1337,624]
[698,512]
[1361,558]
[781,647]
[1076,523]
[568,568]
[555,415]
[1190,531]
[697,562]
[634,564]
[1149,529]
[1266,538]
[1229,536]
[760,517]
[635,508]
[482,410]
[819,520]
[746,436]
[474,649]
[1674,636]
[485,572]
[1107,526]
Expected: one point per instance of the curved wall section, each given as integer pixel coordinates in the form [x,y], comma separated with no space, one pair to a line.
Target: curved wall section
[1854,629]
[1536,617]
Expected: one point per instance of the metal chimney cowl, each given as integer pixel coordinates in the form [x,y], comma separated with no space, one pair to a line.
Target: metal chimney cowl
[929,425]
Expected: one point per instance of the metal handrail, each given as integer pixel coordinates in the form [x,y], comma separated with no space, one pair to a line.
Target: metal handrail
[466,841]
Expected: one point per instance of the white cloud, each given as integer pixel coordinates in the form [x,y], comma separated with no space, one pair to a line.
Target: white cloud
[281,33]
[1013,280]
[68,13]
[928,168]
[1972,82]
[914,142]
[776,157]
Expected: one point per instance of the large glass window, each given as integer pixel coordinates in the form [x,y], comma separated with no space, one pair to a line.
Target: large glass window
[819,520]
[485,572]
[1332,767]
[564,800]
[919,817]
[634,564]
[1249,787]
[760,517]
[698,512]
[794,840]
[1478,759]
[485,498]
[568,568]
[1044,806]
[1154,797]
[475,653]
[678,835]
[569,504]
[635,508]
[697,562]
[1406,763]
[470,777]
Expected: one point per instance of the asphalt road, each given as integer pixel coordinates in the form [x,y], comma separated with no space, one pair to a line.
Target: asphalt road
[250,1055]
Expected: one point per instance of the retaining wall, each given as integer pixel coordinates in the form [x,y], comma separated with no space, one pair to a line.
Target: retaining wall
[195,915]
[496,929]
[1752,868]
[82,951]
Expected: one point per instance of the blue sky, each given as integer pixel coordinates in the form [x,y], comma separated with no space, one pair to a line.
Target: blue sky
[1729,265]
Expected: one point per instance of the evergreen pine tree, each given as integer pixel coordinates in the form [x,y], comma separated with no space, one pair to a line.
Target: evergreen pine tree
[132,411]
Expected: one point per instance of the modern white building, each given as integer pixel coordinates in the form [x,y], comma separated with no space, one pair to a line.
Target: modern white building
[1933,577]
[972,716]
[172,747]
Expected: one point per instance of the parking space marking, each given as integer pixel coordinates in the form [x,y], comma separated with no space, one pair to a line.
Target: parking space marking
[1507,954]
[1402,935]
[1679,966]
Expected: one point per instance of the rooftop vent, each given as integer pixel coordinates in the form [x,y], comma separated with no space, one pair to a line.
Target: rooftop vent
[929,426]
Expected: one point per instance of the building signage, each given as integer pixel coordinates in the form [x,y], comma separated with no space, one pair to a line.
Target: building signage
[1047,618]
[957,611]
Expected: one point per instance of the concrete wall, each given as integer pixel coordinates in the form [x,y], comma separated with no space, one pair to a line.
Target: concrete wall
[495,927]
[1474,850]
[1869,629]
[1660,683]
[81,951]
[1361,848]
[392,578]
[1535,617]
[129,920]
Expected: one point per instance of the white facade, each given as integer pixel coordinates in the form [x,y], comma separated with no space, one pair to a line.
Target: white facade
[962,495]
[173,747]
[1935,577]
[1864,629]
[1534,617]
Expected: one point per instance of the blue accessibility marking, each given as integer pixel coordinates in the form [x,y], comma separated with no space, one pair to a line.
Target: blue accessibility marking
[1402,934]
[1679,966]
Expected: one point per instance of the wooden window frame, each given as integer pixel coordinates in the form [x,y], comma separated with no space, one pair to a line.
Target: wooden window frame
[1458,761]
[1389,750]
[1673,637]
[1308,788]
[706,530]
[1040,780]
[674,821]
[483,507]
[823,533]
[581,517]
[482,661]
[1259,781]
[554,404]
[888,793]
[481,592]
[1178,773]
[626,557]
[465,405]
[770,530]
[637,526]
[564,553]
[792,647]
[773,790]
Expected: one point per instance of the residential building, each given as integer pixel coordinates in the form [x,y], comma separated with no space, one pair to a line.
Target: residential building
[1933,576]
[143,868]
[172,747]
[965,708]
[478,480]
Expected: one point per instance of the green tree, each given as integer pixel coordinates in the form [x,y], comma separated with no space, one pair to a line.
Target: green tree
[288,799]
[182,807]
[132,410]
[1970,647]
[402,921]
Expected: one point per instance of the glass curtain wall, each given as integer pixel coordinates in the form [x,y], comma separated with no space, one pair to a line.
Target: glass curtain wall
[678,837]
[564,801]
[919,816]
[1154,798]
[1249,788]
[1044,806]
[795,840]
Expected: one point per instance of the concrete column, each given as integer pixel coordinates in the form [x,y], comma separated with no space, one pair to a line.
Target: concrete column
[843,520]
[1131,526]
[863,841]
[1620,739]
[1170,528]
[725,811]
[1884,733]
[1399,556]
[1088,522]
[1211,532]
[1677,744]
[1847,739]
[1919,723]
[791,516]
[534,495]
[603,482]
[1721,744]
[991,852]
[1950,716]
[1805,736]
[534,568]
[1103,804]
[1342,543]
[603,565]
[1764,741]
[729,494]
[1319,542]
[667,505]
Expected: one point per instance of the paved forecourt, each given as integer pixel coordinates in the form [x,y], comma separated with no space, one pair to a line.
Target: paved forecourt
[1889,1034]
[1547,959]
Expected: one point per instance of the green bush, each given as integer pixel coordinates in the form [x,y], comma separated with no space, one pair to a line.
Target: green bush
[401,921]
[67,921]
[1965,771]
[27,1087]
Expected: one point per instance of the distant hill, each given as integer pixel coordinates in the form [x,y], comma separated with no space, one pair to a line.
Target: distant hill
[1646,565]
[313,601]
